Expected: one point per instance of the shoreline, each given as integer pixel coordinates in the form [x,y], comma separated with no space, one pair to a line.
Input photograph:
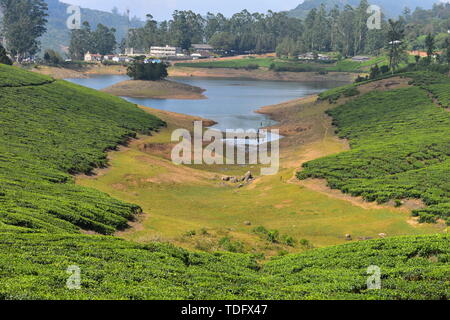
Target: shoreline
[214,73]
[260,74]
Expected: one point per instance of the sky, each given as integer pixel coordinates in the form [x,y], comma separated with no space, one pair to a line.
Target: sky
[162,9]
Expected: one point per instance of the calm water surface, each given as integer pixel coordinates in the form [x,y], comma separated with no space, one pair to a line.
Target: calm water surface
[231,103]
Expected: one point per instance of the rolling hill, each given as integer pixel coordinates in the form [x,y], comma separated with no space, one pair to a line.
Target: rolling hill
[50,130]
[390,8]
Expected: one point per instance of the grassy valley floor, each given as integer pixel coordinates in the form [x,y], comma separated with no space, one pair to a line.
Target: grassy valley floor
[193,208]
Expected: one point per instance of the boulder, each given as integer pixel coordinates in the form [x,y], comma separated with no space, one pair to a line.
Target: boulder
[382,235]
[348,237]
[248,176]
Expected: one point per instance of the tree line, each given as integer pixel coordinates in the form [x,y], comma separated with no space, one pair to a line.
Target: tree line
[344,31]
[338,30]
[83,40]
[23,22]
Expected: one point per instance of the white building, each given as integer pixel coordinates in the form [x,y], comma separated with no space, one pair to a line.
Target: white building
[91,57]
[166,51]
[122,59]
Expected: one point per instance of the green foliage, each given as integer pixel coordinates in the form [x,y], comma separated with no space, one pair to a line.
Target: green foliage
[273,236]
[289,65]
[101,41]
[415,267]
[4,59]
[230,64]
[15,77]
[49,129]
[348,65]
[223,41]
[400,148]
[140,70]
[24,21]
[52,57]
[334,94]
[227,244]
[58,37]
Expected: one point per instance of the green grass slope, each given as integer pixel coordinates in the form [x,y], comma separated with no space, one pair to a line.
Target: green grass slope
[49,129]
[411,268]
[400,148]
[283,65]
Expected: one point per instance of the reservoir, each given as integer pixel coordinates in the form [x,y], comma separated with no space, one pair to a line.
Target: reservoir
[231,103]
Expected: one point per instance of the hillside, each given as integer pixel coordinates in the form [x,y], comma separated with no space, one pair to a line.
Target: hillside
[412,268]
[400,143]
[51,129]
[58,35]
[390,8]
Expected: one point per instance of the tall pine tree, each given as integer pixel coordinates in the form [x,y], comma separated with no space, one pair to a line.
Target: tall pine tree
[24,21]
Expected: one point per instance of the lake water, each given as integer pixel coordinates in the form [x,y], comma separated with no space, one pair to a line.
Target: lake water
[231,103]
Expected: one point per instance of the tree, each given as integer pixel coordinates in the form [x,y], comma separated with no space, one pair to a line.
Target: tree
[374,72]
[142,70]
[361,30]
[24,21]
[103,40]
[396,47]
[223,41]
[430,46]
[51,57]
[186,28]
[4,59]
[447,50]
[80,42]
[287,49]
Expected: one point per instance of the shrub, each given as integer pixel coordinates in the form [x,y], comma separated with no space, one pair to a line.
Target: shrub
[252,66]
[140,70]
[232,246]
[51,57]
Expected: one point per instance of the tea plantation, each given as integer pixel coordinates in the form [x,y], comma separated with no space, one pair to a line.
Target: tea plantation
[33,266]
[51,129]
[400,143]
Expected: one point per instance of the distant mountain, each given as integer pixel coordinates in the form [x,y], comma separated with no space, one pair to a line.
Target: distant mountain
[58,35]
[391,8]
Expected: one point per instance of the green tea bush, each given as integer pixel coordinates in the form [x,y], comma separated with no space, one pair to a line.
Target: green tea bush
[34,267]
[400,148]
[49,130]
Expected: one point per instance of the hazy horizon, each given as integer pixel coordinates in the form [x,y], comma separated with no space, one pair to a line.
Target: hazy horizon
[163,11]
